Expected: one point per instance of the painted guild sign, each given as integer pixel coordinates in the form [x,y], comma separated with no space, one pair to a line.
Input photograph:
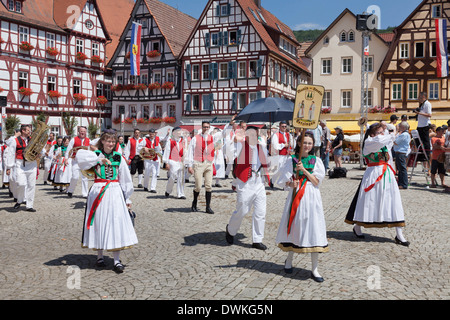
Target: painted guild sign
[308,103]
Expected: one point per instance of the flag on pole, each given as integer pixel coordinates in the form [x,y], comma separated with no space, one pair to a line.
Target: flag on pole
[441,48]
[135,49]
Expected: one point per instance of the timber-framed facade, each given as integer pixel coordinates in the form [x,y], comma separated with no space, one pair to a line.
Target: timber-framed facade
[237,53]
[410,64]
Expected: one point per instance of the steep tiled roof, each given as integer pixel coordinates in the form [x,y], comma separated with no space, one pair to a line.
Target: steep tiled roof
[116,18]
[272,23]
[387,37]
[34,12]
[175,25]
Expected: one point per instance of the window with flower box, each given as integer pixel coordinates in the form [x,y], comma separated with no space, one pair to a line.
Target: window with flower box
[23,34]
[50,40]
[76,86]
[79,47]
[23,79]
[172,110]
[51,83]
[146,112]
[158,111]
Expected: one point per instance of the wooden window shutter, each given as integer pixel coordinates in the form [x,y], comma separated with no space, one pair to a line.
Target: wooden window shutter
[259,69]
[234,101]
[188,72]
[225,38]
[207,40]
[239,34]
[206,104]
[211,101]
[188,103]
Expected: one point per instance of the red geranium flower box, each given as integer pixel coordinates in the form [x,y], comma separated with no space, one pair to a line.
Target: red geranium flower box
[26,46]
[25,91]
[52,51]
[117,87]
[140,86]
[167,85]
[54,94]
[154,86]
[156,120]
[169,120]
[79,97]
[102,100]
[81,56]
[153,54]
[96,59]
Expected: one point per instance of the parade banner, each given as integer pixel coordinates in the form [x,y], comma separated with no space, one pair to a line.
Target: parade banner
[441,48]
[135,49]
[308,104]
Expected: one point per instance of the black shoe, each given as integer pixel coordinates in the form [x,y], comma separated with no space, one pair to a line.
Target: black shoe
[145,189]
[45,183]
[69,194]
[288,270]
[360,236]
[259,245]
[397,241]
[182,197]
[15,200]
[167,194]
[100,263]
[194,208]
[316,279]
[139,185]
[152,191]
[118,267]
[218,185]
[228,236]
[186,180]
[209,210]
[16,206]
[31,210]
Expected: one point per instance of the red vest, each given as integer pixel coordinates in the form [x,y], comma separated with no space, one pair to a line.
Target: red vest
[51,142]
[204,151]
[20,146]
[133,147]
[152,145]
[281,139]
[176,150]
[77,143]
[243,167]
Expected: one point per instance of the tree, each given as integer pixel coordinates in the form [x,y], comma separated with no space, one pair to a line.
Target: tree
[11,124]
[70,123]
[92,130]
[41,117]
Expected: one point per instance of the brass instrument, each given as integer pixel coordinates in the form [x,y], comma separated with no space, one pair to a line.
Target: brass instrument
[150,154]
[71,155]
[37,142]
[89,173]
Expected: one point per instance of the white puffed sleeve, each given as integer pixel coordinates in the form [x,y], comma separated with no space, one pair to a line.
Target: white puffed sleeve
[319,171]
[284,174]
[86,159]
[126,182]
[374,144]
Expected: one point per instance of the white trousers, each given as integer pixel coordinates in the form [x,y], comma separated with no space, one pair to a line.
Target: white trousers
[25,182]
[176,172]
[76,173]
[150,169]
[47,165]
[251,193]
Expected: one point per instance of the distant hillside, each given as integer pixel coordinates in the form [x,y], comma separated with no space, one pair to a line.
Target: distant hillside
[312,35]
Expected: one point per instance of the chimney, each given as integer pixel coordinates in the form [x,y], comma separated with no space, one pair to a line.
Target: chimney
[258,3]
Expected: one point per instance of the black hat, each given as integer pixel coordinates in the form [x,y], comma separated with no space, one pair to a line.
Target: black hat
[176,128]
[394,117]
[151,130]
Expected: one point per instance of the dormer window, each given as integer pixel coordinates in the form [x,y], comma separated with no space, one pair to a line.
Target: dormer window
[15,5]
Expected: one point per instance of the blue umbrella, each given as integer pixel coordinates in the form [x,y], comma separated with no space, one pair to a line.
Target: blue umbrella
[267,110]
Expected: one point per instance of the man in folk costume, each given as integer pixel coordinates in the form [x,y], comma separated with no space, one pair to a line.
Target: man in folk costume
[8,179]
[48,157]
[132,156]
[229,133]
[174,155]
[151,164]
[76,143]
[251,171]
[281,146]
[200,162]
[25,172]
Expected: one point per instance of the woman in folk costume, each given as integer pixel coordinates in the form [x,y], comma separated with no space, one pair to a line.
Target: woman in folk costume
[53,167]
[107,223]
[302,228]
[377,203]
[63,170]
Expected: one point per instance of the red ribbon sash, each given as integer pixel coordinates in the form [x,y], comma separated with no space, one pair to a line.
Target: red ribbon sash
[374,164]
[297,197]
[97,200]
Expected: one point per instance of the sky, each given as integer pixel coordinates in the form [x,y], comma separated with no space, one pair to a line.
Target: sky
[316,14]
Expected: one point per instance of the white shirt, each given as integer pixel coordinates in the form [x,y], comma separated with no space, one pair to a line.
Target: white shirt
[423,121]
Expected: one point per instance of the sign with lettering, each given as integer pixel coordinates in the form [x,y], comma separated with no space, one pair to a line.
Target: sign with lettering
[308,103]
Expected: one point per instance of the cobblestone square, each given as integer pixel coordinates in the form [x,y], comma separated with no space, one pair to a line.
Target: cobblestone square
[184,256]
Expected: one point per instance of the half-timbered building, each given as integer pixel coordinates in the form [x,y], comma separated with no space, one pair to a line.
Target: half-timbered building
[153,98]
[238,52]
[52,59]
[410,64]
